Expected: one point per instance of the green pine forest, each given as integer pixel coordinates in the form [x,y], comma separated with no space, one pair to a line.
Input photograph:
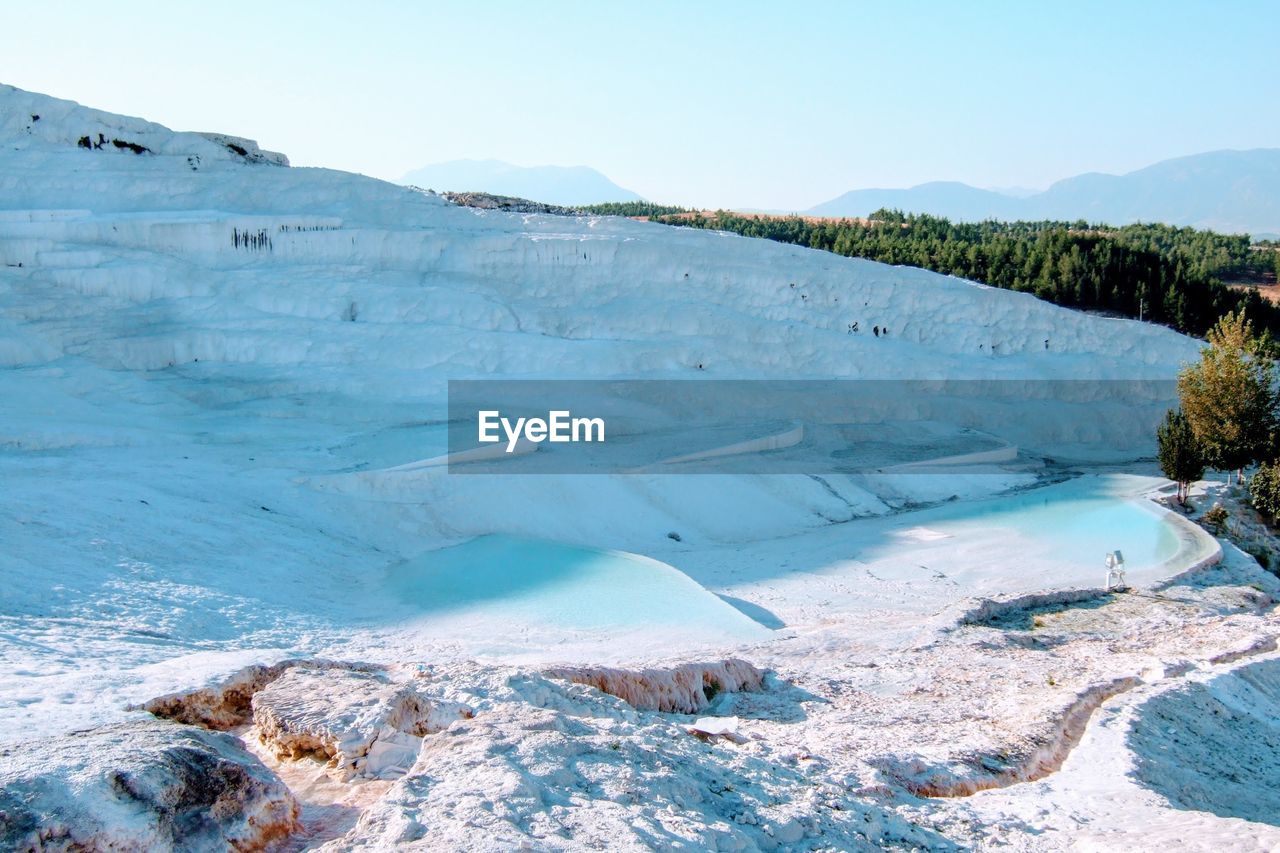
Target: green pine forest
[1160,273]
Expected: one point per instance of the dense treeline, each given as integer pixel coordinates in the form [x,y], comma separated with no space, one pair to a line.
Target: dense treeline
[1157,272]
[633,208]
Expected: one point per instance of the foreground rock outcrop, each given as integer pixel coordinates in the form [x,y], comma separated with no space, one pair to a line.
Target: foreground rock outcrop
[362,723]
[683,689]
[228,703]
[148,785]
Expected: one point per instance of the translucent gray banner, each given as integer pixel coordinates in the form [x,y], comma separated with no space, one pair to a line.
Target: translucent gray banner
[504,426]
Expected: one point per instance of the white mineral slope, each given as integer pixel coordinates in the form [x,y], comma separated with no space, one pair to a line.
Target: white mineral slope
[209,361]
[179,401]
[610,296]
[1178,764]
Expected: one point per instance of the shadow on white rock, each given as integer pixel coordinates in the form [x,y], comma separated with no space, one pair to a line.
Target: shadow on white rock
[150,785]
[1214,745]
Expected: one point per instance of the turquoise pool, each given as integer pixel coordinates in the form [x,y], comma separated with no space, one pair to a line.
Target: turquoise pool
[529,584]
[509,596]
[1078,521]
[1055,536]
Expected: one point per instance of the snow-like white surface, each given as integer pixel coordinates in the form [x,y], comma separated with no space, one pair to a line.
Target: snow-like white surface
[211,367]
[1172,765]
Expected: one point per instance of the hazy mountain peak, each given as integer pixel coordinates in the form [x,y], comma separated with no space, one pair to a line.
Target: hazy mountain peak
[1227,190]
[564,185]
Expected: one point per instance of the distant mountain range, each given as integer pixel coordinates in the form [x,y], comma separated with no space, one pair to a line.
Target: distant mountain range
[563,185]
[1228,191]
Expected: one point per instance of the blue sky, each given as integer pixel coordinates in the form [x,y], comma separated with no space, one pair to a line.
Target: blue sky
[719,104]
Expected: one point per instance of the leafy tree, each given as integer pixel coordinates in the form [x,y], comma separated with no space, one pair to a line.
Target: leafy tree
[1179,453]
[1264,490]
[1229,397]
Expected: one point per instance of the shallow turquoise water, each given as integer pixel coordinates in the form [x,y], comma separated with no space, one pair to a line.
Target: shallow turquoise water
[536,582]
[514,589]
[1078,522]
